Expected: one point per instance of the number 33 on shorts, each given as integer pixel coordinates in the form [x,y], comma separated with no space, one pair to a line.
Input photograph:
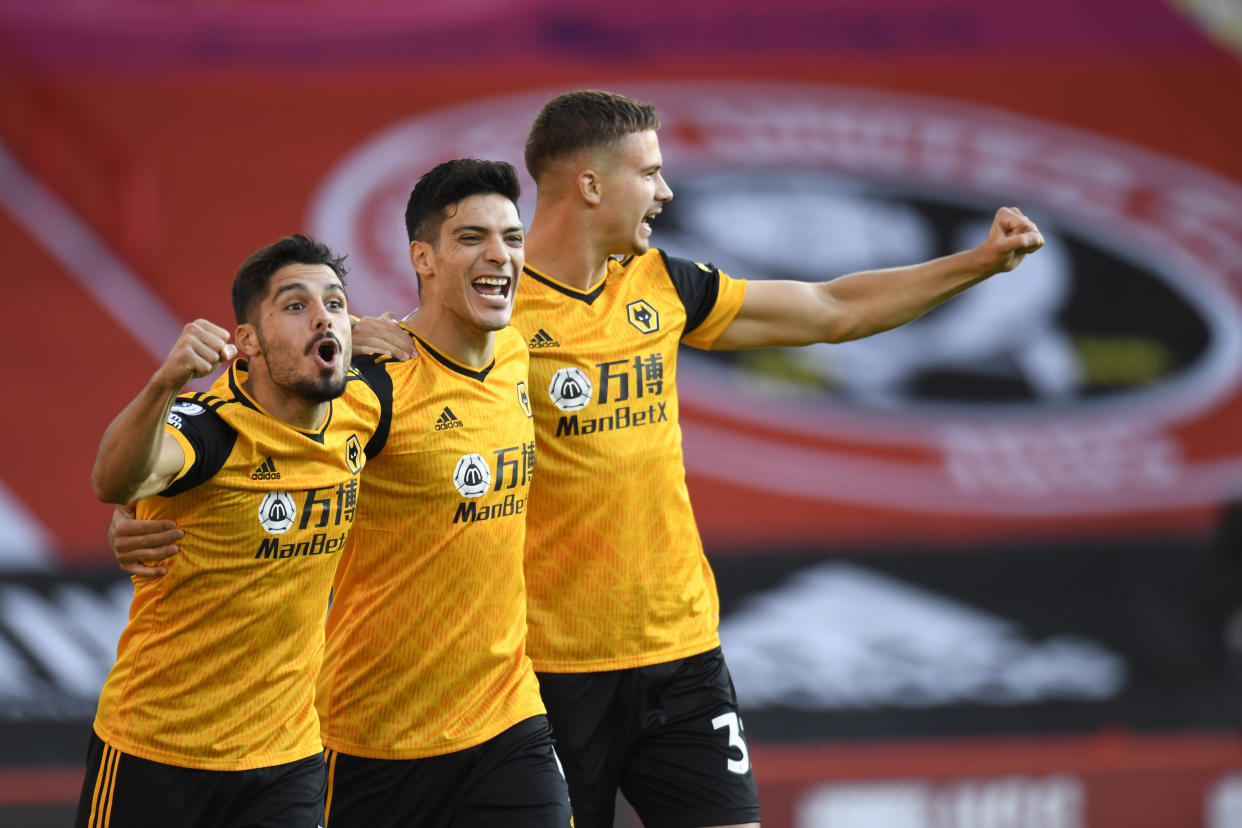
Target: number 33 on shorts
[736,740]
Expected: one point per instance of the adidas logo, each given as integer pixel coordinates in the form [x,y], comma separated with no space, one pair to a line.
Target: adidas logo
[542,340]
[267,471]
[448,420]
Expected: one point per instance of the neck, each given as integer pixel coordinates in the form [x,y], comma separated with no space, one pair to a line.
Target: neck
[298,412]
[469,346]
[560,244]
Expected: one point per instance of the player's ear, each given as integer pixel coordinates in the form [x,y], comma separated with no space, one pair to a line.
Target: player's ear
[247,340]
[422,256]
[590,187]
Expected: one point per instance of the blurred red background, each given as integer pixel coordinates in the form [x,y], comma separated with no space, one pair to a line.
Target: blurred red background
[146,149]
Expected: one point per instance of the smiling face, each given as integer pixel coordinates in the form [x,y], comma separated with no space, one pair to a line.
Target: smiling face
[632,192]
[300,337]
[471,272]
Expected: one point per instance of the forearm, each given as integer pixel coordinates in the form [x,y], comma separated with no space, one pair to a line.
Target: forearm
[857,305]
[873,301]
[128,465]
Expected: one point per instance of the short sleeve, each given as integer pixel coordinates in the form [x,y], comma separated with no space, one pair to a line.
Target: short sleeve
[204,436]
[711,298]
[373,368]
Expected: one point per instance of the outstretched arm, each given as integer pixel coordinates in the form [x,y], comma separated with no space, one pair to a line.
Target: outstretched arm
[872,301]
[136,458]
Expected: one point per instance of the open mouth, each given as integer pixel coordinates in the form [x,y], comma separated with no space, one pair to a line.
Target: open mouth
[326,351]
[650,217]
[494,286]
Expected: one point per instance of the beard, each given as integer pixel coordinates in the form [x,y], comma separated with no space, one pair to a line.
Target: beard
[327,386]
[283,367]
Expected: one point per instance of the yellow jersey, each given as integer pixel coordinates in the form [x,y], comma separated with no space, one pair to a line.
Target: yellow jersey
[216,667]
[615,570]
[426,636]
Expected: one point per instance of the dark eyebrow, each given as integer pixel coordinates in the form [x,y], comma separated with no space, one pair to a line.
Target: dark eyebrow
[300,286]
[288,287]
[477,228]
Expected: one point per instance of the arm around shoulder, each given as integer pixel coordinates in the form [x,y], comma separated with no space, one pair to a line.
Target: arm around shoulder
[382,335]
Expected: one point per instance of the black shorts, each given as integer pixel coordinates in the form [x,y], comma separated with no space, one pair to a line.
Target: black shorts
[512,779]
[123,791]
[668,736]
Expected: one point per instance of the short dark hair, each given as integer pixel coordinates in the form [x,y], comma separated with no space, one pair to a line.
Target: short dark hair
[581,120]
[254,275]
[448,183]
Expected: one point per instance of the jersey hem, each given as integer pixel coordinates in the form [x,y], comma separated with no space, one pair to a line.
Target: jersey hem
[443,749]
[626,662]
[198,763]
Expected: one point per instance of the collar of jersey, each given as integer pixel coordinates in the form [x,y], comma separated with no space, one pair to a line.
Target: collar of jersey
[240,395]
[587,296]
[447,361]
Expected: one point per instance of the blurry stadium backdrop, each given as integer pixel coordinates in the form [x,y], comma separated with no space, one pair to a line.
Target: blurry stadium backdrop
[980,572]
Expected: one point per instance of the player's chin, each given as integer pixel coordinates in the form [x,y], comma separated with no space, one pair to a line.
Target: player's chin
[495,319]
[498,323]
[329,385]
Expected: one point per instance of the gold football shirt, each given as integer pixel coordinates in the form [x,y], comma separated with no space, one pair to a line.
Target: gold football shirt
[426,637]
[616,575]
[216,667]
